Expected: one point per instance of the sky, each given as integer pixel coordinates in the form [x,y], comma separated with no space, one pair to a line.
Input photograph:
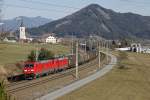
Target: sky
[55,9]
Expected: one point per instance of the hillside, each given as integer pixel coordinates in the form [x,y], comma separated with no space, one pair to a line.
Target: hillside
[97,20]
[128,83]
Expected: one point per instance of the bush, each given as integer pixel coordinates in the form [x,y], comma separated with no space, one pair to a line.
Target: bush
[32,56]
[43,54]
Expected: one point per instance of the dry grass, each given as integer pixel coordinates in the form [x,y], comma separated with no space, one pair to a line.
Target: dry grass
[11,53]
[132,83]
[43,89]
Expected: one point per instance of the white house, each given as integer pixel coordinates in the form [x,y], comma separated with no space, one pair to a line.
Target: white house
[51,39]
[136,47]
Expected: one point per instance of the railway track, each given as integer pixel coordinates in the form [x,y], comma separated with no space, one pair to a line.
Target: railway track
[24,81]
[27,84]
[16,83]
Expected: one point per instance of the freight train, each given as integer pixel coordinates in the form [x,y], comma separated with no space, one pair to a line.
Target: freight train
[36,69]
[33,70]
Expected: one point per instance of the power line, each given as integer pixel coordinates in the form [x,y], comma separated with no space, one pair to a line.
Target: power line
[49,4]
[31,8]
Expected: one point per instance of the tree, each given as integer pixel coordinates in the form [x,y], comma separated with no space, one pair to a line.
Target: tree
[43,54]
[32,56]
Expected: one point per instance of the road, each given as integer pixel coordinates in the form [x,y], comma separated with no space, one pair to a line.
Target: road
[69,88]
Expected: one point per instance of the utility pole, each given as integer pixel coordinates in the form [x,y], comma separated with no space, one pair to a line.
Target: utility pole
[85,51]
[72,45]
[77,71]
[99,56]
[107,51]
[37,54]
[85,47]
[103,45]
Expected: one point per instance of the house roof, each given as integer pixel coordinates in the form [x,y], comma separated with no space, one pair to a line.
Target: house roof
[47,35]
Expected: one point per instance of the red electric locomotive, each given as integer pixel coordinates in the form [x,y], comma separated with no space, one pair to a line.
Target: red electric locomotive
[38,68]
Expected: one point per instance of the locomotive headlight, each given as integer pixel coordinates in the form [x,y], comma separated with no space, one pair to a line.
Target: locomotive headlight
[32,70]
[25,70]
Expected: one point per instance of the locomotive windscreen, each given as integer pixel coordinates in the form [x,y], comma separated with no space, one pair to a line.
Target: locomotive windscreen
[29,65]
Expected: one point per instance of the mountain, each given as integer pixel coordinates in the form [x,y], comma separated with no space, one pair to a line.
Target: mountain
[96,20]
[29,22]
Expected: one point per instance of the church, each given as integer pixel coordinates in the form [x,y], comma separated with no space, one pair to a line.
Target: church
[22,32]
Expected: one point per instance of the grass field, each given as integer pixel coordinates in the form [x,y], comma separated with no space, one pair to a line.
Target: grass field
[12,53]
[132,82]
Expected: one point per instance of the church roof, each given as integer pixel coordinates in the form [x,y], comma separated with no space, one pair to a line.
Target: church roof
[22,24]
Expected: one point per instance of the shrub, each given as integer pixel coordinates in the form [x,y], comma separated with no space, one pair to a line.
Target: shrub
[43,54]
[32,56]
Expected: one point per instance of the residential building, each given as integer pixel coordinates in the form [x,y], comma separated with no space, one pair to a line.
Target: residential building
[51,39]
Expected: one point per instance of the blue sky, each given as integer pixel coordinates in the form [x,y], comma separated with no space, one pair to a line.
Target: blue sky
[55,12]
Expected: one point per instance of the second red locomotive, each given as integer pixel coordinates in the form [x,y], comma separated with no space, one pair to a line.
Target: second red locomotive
[36,69]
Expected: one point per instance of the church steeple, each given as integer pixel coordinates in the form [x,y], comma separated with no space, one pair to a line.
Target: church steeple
[22,35]
[22,24]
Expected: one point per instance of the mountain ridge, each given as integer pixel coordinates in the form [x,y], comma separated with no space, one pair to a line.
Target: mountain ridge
[29,22]
[97,20]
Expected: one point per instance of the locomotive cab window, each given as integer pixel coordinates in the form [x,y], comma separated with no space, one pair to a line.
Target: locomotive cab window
[29,65]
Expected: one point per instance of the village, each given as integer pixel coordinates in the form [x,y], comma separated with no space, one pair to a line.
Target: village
[74,50]
[51,38]
[48,38]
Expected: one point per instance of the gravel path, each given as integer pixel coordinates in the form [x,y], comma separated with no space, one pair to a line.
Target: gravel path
[69,88]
